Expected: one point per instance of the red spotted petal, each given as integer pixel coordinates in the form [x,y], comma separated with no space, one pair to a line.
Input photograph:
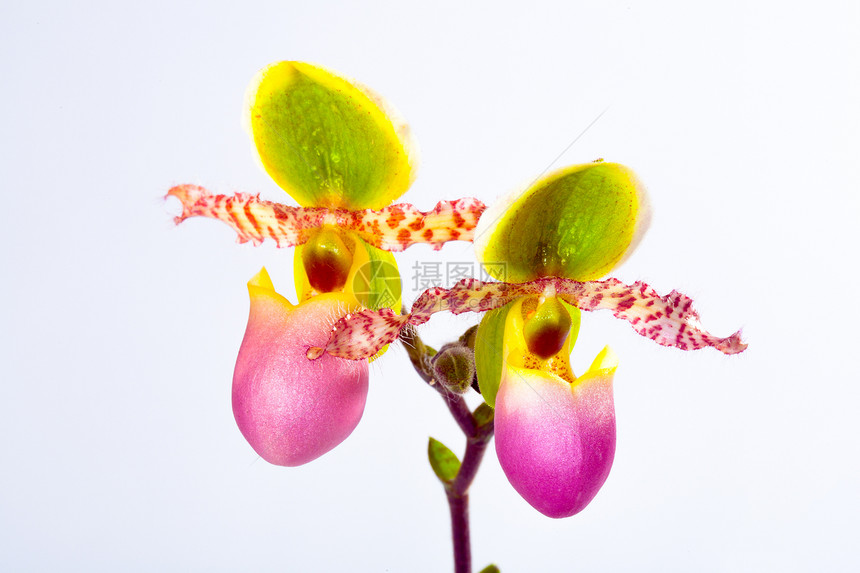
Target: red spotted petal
[397,227]
[393,228]
[667,320]
[362,334]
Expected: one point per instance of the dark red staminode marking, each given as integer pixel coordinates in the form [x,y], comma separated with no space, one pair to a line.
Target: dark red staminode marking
[325,274]
[547,342]
[327,261]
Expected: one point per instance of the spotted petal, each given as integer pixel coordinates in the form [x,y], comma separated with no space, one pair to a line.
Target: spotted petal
[392,228]
[328,141]
[667,320]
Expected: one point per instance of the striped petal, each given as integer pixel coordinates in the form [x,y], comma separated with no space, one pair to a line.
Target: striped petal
[392,228]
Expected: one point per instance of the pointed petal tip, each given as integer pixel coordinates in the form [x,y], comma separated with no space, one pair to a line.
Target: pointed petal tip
[262,292]
[187,194]
[733,344]
[261,279]
[605,363]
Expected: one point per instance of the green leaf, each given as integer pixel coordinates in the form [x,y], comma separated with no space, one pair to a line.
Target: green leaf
[489,355]
[490,569]
[443,461]
[575,223]
[326,141]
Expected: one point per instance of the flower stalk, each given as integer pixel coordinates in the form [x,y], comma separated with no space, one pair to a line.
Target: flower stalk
[457,494]
[478,428]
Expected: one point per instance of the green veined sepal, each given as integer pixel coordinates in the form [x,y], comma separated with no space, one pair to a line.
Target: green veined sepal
[577,223]
[327,141]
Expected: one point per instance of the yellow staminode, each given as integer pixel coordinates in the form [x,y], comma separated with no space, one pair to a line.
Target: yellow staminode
[501,345]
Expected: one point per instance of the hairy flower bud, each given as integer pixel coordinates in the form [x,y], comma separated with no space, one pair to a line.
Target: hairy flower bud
[454,368]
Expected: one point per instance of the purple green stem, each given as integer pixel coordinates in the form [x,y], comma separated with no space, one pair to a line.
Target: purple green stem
[477,439]
[459,410]
[457,493]
[459,506]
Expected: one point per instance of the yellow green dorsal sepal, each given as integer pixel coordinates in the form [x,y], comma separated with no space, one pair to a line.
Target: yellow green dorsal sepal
[575,223]
[327,141]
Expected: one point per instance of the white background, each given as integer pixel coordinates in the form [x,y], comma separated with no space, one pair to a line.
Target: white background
[119,331]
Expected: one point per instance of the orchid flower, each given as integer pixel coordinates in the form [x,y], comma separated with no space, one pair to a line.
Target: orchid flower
[301,378]
[555,432]
[339,151]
